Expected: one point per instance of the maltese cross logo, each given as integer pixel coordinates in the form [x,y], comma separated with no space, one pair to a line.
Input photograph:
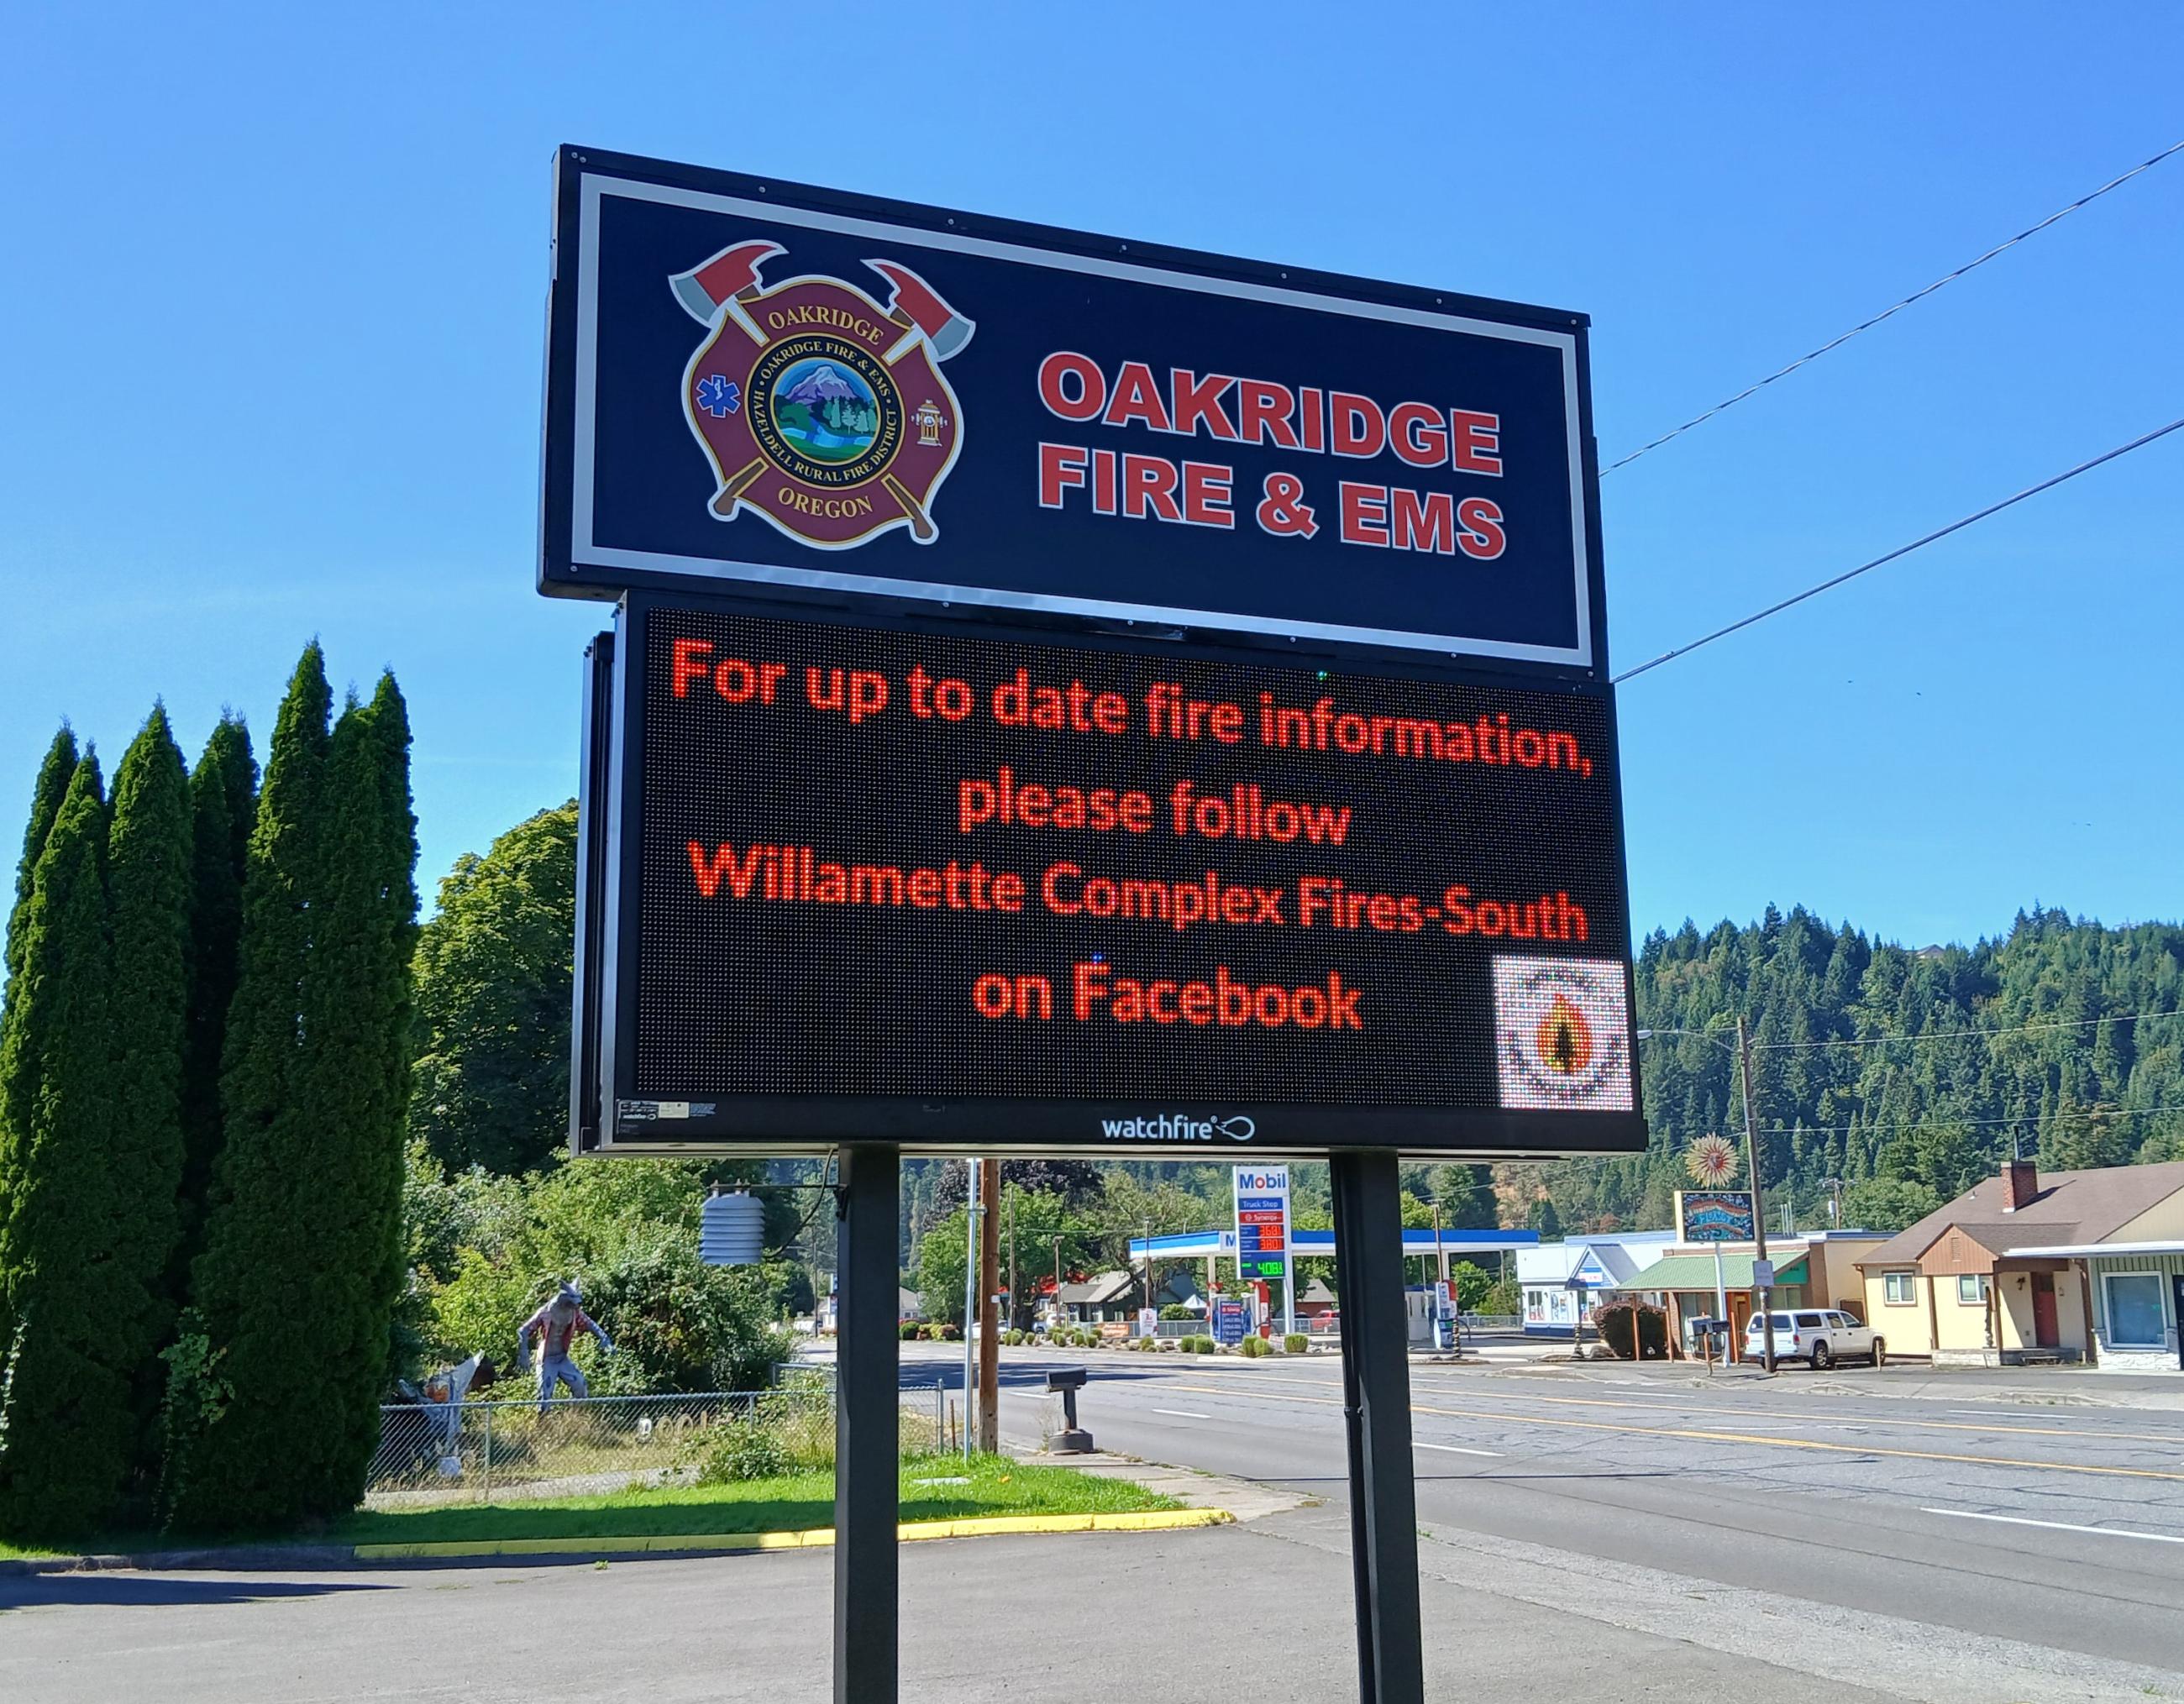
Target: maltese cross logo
[822,411]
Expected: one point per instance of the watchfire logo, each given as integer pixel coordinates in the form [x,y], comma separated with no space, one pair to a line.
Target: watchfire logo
[1178,1126]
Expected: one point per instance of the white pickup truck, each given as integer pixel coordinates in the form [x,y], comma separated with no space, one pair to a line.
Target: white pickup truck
[1819,1336]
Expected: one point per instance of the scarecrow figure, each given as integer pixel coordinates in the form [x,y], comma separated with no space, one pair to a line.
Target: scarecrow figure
[555,1326]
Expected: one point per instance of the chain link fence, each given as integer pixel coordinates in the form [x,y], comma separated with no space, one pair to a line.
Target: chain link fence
[588,1446]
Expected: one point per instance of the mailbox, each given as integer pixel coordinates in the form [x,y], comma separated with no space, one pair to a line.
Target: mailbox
[1073,1439]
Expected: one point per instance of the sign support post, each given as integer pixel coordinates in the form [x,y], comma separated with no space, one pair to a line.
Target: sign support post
[1376,1413]
[866,1436]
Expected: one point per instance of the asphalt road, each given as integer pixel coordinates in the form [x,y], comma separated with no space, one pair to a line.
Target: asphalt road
[1609,1534]
[2061,1528]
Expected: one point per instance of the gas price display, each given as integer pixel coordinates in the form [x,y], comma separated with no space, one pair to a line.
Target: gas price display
[922,887]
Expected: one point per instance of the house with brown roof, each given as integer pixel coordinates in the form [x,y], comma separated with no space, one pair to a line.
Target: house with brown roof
[2006,1273]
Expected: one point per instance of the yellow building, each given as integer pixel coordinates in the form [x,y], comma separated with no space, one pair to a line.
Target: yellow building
[2000,1275]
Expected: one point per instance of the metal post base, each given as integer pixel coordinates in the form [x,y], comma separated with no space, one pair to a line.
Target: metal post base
[1376,1396]
[866,1429]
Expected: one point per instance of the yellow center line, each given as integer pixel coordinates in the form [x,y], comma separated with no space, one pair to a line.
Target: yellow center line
[1760,1438]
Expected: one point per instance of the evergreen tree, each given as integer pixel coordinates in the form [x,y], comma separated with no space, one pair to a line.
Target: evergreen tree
[46,795]
[253,1285]
[148,878]
[66,1430]
[223,805]
[358,1002]
[302,1255]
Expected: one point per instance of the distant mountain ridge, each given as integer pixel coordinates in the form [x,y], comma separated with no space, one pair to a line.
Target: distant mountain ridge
[2058,1065]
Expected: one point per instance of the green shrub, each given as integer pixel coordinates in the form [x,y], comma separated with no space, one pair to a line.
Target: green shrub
[783,1432]
[1255,1346]
[1503,1299]
[1175,1310]
[908,1331]
[745,1448]
[1296,1342]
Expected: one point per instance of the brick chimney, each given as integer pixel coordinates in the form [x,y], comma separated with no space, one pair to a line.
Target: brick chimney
[2021,1183]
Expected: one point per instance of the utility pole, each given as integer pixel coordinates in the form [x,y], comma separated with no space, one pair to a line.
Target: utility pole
[1758,1200]
[989,1311]
[1149,1263]
[971,1310]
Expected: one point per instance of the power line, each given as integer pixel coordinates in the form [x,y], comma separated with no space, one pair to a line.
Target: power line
[1886,312]
[2060,1115]
[1958,526]
[1932,1034]
[1951,1034]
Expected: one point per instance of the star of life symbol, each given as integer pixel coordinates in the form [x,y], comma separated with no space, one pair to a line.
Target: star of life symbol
[822,411]
[718,396]
[1561,1034]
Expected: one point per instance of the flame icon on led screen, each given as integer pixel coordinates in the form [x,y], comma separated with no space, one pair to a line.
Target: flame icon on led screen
[1563,1034]
[1565,1039]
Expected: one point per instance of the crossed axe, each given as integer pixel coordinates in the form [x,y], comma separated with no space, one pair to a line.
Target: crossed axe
[717,288]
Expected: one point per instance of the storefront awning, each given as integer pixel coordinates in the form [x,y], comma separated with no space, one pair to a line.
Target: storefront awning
[1696,1273]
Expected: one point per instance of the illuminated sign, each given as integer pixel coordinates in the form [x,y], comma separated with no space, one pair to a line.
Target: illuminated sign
[1713,1215]
[946,888]
[760,386]
[1263,1220]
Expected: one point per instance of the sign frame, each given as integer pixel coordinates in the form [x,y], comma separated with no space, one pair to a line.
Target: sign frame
[607,1120]
[573,562]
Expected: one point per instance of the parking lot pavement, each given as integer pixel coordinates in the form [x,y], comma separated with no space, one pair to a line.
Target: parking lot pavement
[1148,1618]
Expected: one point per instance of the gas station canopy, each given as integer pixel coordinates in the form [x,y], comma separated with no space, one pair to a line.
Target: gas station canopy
[1417,1243]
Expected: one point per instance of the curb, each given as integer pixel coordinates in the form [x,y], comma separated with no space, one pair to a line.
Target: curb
[317,1557]
[816,1538]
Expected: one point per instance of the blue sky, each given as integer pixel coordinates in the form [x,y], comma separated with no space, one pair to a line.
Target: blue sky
[271,310]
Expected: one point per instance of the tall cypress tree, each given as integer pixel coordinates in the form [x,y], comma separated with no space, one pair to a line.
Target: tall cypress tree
[223,805]
[252,1288]
[357,1010]
[148,878]
[46,795]
[66,1421]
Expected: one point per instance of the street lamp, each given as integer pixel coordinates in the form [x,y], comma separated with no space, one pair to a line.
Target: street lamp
[1742,1053]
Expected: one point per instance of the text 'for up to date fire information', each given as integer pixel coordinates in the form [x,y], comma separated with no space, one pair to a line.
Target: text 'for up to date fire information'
[883,862]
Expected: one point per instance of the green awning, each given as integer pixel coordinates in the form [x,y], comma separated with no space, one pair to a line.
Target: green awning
[1696,1273]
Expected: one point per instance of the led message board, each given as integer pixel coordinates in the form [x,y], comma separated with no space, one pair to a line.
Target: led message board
[763,386]
[956,889]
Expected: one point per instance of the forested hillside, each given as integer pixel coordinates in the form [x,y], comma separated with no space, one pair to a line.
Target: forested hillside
[2070,1068]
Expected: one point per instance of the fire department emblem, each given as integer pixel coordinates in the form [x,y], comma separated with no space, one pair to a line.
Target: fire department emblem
[822,409]
[1562,1039]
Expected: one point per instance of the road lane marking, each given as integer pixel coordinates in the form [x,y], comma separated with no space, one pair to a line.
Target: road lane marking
[2095,1434]
[2059,1526]
[1453,1449]
[1182,1414]
[1696,1434]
